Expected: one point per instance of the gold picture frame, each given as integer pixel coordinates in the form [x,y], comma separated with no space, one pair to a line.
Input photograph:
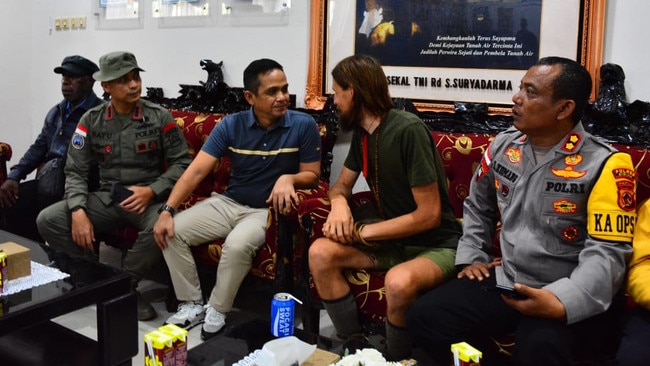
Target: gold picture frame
[589,53]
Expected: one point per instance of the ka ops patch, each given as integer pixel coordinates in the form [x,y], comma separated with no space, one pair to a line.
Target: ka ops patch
[612,217]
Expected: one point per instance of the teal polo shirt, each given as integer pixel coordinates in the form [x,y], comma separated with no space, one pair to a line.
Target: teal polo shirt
[260,156]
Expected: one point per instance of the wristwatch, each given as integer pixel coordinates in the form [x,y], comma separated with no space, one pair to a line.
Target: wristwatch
[77,208]
[168,208]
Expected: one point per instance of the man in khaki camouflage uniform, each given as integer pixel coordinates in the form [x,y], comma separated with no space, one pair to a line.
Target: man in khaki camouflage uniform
[137,145]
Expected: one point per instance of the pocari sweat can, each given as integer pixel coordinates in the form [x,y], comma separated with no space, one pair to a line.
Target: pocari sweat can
[282,312]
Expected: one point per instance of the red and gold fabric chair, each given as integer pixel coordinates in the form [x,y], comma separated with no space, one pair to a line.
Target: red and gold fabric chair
[5,155]
[275,259]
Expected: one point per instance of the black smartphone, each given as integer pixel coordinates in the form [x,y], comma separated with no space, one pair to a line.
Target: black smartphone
[508,291]
[119,192]
[504,285]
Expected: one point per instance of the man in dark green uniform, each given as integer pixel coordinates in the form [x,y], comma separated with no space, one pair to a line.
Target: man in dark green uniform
[138,147]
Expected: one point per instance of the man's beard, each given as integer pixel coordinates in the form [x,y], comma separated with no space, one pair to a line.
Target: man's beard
[346,121]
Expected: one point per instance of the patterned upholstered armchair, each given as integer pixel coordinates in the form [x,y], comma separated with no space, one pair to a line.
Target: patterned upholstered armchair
[5,155]
[275,259]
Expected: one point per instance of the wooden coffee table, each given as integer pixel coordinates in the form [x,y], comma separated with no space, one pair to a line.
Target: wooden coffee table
[29,337]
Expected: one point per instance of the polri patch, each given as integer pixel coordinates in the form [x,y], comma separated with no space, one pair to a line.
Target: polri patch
[625,184]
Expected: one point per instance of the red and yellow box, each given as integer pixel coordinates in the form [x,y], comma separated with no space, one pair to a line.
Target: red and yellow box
[3,271]
[462,354]
[179,341]
[159,349]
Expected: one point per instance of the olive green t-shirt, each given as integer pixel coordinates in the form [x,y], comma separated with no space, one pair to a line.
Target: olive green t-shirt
[407,158]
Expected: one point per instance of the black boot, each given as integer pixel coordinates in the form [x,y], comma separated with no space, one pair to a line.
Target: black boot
[145,310]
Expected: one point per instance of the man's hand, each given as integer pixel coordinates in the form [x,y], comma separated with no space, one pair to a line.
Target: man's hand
[381,33]
[163,229]
[83,233]
[339,225]
[538,303]
[139,200]
[8,193]
[283,195]
[478,271]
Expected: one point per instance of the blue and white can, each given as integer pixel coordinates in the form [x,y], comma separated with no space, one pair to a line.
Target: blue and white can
[282,313]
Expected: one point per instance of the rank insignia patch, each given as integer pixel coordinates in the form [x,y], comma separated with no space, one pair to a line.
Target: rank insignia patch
[571,142]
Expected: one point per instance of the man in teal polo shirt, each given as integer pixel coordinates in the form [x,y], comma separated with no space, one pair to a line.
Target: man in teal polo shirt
[273,151]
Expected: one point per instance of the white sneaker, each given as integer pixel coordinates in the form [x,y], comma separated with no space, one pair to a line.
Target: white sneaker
[213,322]
[188,315]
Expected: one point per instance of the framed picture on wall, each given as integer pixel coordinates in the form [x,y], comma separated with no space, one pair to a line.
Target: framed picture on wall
[438,52]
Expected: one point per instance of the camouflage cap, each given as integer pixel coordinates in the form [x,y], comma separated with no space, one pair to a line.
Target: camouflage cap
[116,64]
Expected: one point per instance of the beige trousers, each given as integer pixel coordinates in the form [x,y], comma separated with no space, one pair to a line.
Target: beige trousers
[216,217]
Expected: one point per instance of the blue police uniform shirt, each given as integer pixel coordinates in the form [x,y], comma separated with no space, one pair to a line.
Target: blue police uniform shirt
[259,156]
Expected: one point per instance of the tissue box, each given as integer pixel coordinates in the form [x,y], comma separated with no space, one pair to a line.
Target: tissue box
[18,260]
[465,355]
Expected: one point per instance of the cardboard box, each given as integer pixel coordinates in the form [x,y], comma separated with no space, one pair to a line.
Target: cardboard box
[321,358]
[18,260]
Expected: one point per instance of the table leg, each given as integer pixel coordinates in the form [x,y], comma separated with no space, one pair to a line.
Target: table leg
[117,330]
